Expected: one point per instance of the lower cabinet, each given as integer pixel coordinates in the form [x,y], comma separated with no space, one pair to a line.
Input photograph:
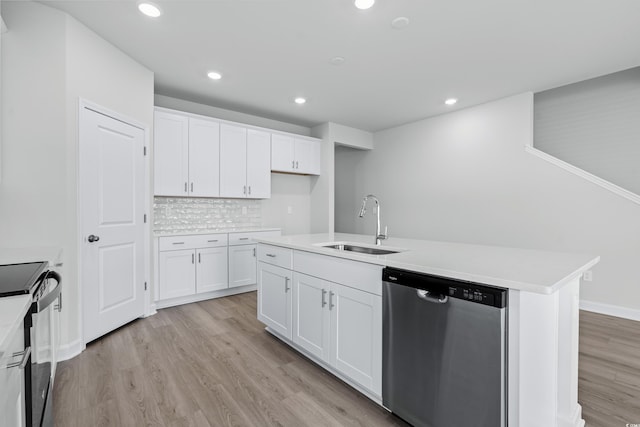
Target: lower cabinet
[338,324]
[211,269]
[12,389]
[242,265]
[275,298]
[177,274]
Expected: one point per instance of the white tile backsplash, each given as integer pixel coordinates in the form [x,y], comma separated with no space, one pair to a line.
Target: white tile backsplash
[191,214]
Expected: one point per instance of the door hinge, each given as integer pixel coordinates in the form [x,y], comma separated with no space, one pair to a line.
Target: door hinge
[144,150]
[145,218]
[145,286]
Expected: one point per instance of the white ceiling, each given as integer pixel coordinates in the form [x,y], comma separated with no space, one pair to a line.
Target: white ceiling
[270,51]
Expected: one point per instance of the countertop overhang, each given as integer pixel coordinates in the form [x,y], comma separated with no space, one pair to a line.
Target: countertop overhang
[527,270]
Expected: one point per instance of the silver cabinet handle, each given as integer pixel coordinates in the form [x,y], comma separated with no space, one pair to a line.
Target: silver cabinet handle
[254,252]
[59,305]
[199,260]
[243,238]
[297,165]
[244,191]
[324,292]
[293,164]
[286,284]
[193,258]
[249,189]
[177,243]
[192,187]
[331,305]
[185,187]
[23,362]
[271,255]
[212,241]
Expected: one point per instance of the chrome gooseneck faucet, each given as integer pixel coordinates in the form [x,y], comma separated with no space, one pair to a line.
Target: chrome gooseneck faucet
[363,210]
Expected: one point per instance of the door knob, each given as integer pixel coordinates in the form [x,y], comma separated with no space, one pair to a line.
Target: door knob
[93,238]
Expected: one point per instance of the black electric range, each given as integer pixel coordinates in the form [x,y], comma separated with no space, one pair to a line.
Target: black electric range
[20,279]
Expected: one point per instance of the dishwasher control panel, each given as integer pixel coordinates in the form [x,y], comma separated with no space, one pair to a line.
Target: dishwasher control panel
[453,288]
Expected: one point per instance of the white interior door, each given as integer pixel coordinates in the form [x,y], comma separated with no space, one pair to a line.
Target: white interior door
[111,176]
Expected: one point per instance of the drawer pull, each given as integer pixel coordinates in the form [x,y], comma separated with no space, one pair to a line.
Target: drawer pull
[331,305]
[178,243]
[286,284]
[23,362]
[243,238]
[324,292]
[254,252]
[271,255]
[211,241]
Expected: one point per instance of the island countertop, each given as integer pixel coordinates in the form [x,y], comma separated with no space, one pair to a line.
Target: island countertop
[512,268]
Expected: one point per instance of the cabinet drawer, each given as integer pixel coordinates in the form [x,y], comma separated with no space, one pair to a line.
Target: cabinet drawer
[192,241]
[275,255]
[247,238]
[355,274]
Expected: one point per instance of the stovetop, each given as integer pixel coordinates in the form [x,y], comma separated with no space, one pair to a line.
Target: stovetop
[18,279]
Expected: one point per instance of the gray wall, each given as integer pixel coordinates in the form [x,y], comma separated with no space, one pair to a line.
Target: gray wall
[594,125]
[466,177]
[49,61]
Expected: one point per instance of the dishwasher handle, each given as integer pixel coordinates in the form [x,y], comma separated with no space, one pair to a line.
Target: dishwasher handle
[427,296]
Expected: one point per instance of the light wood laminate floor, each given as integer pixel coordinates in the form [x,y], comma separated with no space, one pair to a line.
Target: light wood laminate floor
[212,364]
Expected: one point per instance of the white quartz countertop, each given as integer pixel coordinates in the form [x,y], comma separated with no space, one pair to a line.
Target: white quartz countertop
[19,255]
[12,311]
[190,233]
[520,269]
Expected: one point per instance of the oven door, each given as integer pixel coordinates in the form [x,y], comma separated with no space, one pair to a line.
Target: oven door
[42,348]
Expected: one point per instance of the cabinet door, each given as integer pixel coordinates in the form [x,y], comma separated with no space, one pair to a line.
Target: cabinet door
[356,336]
[170,154]
[242,265]
[233,161]
[177,274]
[282,152]
[311,315]
[258,164]
[204,158]
[274,298]
[211,269]
[12,407]
[307,156]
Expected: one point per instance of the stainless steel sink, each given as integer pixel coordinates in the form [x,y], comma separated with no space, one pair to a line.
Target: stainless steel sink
[360,249]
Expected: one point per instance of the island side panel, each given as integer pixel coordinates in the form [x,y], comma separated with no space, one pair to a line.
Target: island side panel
[548,358]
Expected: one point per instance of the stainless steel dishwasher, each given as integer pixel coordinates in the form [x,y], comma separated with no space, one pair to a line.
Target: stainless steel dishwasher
[444,351]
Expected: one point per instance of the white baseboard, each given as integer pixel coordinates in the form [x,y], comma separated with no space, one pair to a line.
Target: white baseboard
[71,350]
[610,310]
[151,311]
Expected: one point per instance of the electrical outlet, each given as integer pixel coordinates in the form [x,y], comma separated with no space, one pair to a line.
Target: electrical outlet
[289,210]
[588,276]
[244,210]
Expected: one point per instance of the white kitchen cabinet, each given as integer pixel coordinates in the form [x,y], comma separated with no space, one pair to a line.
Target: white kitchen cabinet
[242,265]
[170,154]
[312,315]
[12,389]
[275,298]
[356,335]
[177,273]
[211,269]
[186,156]
[295,154]
[244,162]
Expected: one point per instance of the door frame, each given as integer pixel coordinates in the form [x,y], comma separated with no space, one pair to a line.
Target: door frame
[149,306]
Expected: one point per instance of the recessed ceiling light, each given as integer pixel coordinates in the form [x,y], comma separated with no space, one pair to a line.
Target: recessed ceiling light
[400,22]
[451,101]
[149,9]
[337,60]
[214,75]
[364,4]
[299,100]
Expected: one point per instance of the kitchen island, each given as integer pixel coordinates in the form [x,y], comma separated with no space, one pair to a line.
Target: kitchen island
[542,311]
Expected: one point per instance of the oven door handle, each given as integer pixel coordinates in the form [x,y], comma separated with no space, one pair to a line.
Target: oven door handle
[49,298]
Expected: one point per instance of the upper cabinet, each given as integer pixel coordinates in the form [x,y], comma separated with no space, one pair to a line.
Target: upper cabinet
[295,154]
[186,156]
[244,162]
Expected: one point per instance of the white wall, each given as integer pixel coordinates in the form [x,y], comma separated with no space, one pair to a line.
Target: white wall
[50,61]
[465,177]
